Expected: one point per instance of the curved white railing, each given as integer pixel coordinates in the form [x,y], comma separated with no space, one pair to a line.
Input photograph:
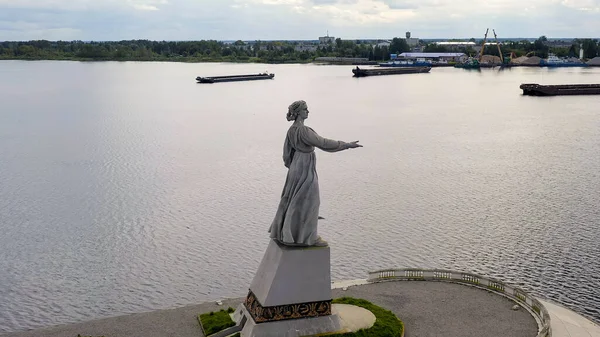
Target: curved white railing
[514,293]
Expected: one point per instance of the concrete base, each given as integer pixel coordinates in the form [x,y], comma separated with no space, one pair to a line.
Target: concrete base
[290,295]
[290,327]
[292,275]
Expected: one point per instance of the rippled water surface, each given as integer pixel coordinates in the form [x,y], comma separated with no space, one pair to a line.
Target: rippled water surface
[127,187]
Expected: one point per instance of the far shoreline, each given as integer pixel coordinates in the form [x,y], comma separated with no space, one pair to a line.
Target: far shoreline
[179,60]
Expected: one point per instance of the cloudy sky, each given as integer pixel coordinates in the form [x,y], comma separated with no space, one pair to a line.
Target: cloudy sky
[293,19]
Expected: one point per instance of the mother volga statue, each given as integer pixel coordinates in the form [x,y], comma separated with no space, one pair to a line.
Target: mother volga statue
[295,222]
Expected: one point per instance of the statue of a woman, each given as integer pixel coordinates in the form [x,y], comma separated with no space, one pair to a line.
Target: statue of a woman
[295,223]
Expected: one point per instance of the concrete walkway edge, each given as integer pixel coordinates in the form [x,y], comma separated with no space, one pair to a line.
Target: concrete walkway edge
[564,322]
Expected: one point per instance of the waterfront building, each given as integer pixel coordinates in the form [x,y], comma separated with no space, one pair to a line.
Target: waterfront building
[384,43]
[457,45]
[447,57]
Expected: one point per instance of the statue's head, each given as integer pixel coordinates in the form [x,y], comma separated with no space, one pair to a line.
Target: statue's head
[296,110]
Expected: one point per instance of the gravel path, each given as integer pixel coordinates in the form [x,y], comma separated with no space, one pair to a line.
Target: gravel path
[428,309]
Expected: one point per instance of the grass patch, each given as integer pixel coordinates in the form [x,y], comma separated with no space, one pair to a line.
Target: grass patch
[386,323]
[214,322]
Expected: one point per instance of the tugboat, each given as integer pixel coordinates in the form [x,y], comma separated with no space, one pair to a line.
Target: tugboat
[554,61]
[471,63]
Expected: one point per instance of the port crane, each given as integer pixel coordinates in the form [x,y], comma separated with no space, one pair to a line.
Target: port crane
[498,45]
[483,44]
[496,42]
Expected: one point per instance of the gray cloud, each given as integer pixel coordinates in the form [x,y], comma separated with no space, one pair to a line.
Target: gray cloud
[401,4]
[414,4]
[300,19]
[334,2]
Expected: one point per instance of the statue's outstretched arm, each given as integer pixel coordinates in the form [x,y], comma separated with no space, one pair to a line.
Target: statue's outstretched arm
[312,138]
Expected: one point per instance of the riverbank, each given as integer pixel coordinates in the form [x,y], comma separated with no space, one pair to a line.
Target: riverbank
[131,181]
[159,59]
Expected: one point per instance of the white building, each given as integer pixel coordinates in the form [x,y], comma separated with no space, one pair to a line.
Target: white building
[383,44]
[455,43]
[411,41]
[458,45]
[456,57]
[326,39]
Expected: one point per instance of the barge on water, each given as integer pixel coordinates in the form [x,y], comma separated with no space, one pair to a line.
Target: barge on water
[389,71]
[532,89]
[235,78]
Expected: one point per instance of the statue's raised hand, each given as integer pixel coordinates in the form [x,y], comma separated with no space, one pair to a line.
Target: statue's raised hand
[353,145]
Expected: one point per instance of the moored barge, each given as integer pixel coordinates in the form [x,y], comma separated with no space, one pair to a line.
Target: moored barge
[533,89]
[389,71]
[235,78]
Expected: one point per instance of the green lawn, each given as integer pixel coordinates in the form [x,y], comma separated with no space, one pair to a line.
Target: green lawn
[386,323]
[216,321]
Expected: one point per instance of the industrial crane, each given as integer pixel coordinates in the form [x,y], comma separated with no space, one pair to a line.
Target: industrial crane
[498,44]
[483,45]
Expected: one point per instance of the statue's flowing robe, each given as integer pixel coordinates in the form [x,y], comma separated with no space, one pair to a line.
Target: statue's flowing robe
[296,219]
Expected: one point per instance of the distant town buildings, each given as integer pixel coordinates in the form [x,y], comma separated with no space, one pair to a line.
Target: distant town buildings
[323,42]
[411,41]
[326,39]
[306,47]
[559,43]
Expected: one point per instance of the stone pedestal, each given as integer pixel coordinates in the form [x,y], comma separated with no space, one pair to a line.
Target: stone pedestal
[290,294]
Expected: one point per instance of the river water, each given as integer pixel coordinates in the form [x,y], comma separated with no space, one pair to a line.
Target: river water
[127,187]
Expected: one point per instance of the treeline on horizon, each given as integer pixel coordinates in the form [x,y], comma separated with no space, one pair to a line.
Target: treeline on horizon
[266,52]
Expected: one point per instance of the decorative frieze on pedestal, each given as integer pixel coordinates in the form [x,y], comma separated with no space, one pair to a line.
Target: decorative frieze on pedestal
[262,314]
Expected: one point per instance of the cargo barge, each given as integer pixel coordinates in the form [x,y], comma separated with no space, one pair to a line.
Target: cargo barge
[389,71]
[532,89]
[235,78]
